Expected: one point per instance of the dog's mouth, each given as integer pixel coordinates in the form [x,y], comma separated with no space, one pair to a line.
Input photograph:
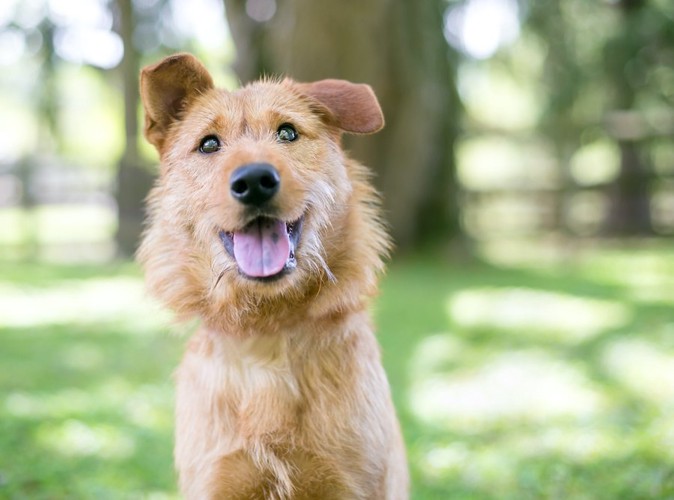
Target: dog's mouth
[265,248]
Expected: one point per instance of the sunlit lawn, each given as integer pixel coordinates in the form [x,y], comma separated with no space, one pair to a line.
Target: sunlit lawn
[528,381]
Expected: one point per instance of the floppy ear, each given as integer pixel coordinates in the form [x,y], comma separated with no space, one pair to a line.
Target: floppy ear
[166,89]
[353,107]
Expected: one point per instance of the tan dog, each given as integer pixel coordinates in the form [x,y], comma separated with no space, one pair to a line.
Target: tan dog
[262,227]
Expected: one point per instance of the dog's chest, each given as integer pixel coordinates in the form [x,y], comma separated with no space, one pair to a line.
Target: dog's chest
[252,378]
[257,363]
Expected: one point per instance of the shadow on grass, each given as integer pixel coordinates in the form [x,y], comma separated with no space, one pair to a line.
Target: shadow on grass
[87,397]
[548,382]
[520,382]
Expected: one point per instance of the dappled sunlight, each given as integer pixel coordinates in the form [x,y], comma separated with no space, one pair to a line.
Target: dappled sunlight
[536,313]
[533,389]
[579,444]
[595,163]
[81,302]
[82,356]
[525,253]
[441,460]
[661,434]
[159,495]
[435,353]
[77,438]
[147,406]
[480,467]
[646,276]
[488,162]
[66,223]
[643,368]
[62,403]
[518,386]
[87,392]
[497,463]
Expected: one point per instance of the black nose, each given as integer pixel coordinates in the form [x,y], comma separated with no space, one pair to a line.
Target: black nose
[255,183]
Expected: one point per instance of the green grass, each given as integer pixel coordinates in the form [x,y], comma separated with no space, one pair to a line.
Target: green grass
[519,381]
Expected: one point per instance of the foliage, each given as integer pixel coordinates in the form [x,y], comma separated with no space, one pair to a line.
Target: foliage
[565,109]
[532,380]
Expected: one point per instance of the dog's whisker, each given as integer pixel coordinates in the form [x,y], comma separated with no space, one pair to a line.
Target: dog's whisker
[215,285]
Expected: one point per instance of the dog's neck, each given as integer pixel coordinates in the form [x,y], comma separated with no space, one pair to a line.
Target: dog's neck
[328,302]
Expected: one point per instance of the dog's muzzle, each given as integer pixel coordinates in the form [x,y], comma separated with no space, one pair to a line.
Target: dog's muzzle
[265,248]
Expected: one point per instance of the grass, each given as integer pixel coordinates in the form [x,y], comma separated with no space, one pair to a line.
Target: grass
[513,381]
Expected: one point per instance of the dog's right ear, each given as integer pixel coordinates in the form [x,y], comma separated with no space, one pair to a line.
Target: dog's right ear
[166,89]
[352,107]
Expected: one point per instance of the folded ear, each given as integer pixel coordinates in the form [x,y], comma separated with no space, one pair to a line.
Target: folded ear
[166,89]
[353,107]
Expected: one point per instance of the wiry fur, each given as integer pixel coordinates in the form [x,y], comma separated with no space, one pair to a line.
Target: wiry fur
[281,393]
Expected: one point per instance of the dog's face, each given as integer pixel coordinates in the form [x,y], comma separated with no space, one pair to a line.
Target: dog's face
[254,189]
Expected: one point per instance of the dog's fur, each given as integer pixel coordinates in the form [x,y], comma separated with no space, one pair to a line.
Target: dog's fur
[281,393]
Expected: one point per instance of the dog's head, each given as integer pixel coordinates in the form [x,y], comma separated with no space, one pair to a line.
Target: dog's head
[255,195]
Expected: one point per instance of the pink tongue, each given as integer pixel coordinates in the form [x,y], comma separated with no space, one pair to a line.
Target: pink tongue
[262,248]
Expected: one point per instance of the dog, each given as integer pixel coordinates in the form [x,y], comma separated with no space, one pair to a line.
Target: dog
[260,226]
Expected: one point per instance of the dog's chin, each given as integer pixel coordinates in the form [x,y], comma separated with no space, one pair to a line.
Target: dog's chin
[265,250]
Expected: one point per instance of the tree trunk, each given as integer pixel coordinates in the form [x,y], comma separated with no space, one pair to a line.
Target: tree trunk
[630,194]
[398,48]
[133,181]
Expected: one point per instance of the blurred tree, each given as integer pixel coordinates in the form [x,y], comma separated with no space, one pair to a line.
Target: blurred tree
[399,49]
[48,100]
[562,74]
[48,131]
[133,180]
[639,35]
[52,40]
[601,73]
[148,30]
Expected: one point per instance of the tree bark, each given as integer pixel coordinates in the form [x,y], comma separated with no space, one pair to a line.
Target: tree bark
[630,194]
[133,181]
[397,47]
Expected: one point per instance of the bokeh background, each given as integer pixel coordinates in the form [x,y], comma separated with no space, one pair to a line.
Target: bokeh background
[526,322]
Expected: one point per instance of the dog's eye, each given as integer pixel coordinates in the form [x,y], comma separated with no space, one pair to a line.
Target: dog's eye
[286,133]
[209,144]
